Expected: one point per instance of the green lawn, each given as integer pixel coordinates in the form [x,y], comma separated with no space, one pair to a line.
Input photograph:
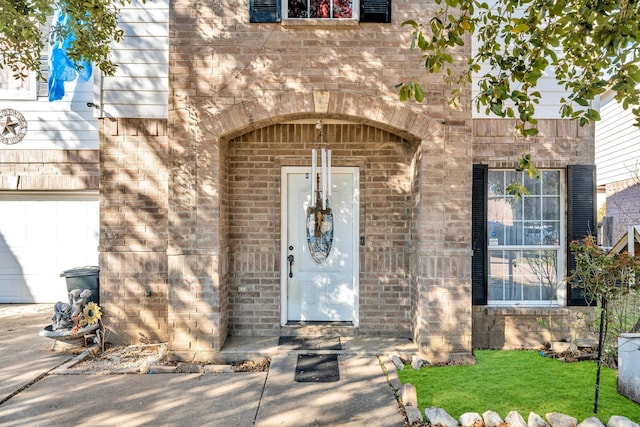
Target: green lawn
[521,381]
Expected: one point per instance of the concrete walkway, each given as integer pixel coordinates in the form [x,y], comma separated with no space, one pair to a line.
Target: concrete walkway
[32,394]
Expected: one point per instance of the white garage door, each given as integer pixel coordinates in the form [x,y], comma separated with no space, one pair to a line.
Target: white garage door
[42,235]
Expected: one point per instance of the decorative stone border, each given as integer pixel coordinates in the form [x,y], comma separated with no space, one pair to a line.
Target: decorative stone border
[434,416]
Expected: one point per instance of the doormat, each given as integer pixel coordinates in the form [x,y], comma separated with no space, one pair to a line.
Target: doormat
[317,368]
[311,343]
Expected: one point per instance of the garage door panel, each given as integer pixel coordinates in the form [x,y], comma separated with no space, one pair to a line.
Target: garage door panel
[10,265]
[14,289]
[41,236]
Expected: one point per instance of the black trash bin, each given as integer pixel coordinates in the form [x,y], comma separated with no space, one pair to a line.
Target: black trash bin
[82,278]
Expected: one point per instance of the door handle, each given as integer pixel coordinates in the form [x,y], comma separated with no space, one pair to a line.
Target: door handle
[290,259]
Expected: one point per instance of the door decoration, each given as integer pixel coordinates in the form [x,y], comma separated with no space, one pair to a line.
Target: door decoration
[319,215]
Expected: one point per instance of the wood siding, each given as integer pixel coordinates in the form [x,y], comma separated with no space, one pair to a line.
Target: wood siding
[66,124]
[617,143]
[139,89]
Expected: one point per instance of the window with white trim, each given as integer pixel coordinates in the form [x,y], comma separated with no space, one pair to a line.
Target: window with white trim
[320,9]
[525,244]
[345,10]
[17,88]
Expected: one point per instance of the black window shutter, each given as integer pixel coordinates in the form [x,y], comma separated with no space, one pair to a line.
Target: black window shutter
[581,219]
[264,11]
[375,11]
[479,234]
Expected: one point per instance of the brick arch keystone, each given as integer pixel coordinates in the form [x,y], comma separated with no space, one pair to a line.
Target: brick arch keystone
[392,116]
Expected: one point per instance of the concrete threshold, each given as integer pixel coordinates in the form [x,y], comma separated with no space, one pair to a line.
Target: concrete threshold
[237,349]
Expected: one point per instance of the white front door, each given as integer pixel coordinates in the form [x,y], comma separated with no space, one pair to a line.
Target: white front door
[326,291]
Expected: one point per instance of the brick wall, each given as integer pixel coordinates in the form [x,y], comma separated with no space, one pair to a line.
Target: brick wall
[528,328]
[558,144]
[49,170]
[230,78]
[623,205]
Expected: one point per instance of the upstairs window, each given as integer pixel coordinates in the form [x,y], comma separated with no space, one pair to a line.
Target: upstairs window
[320,9]
[356,10]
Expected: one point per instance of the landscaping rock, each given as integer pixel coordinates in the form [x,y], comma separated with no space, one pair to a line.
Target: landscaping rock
[591,422]
[620,421]
[556,419]
[397,362]
[409,395]
[587,343]
[536,420]
[162,369]
[218,369]
[491,419]
[560,347]
[469,419]
[188,368]
[514,419]
[438,416]
[413,414]
[416,362]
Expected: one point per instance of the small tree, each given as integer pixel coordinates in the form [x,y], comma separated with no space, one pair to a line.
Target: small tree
[610,280]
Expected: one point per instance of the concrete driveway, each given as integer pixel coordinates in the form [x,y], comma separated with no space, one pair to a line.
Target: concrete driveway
[24,355]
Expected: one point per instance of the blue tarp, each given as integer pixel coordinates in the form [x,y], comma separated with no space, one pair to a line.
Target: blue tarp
[61,68]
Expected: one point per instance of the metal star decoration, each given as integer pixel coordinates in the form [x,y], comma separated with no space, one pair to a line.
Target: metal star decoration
[13,126]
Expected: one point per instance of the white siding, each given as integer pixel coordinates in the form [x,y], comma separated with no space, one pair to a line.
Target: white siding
[140,86]
[617,143]
[58,125]
[551,91]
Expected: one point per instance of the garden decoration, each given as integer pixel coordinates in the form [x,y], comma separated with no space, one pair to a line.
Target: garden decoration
[73,321]
[319,221]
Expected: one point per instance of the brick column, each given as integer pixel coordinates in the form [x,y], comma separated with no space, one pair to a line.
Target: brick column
[442,263]
[133,229]
[197,308]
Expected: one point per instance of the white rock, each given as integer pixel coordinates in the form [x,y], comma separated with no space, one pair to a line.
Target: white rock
[556,419]
[591,422]
[416,362]
[470,418]
[491,419]
[413,414]
[397,362]
[514,419]
[536,420]
[620,421]
[409,395]
[437,416]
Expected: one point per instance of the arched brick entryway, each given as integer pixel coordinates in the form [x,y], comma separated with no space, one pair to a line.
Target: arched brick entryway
[429,278]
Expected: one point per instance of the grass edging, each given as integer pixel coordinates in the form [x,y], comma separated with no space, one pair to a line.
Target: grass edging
[522,381]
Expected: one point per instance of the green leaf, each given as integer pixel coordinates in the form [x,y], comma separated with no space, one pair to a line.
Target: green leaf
[404,93]
[517,190]
[520,28]
[419,93]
